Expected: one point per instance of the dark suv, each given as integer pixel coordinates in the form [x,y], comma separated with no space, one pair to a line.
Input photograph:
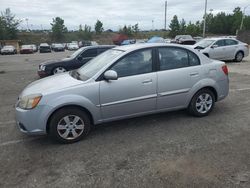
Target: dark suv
[74,61]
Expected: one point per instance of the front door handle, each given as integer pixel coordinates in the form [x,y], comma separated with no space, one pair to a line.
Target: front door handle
[194,74]
[148,81]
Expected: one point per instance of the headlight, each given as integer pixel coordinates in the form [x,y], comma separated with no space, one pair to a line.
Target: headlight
[29,102]
[42,67]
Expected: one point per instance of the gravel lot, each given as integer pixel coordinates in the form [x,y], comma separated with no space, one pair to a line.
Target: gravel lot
[163,150]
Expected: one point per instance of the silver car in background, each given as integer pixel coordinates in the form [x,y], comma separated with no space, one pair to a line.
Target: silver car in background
[120,83]
[223,48]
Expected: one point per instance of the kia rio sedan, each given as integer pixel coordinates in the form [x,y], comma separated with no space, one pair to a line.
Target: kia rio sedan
[123,82]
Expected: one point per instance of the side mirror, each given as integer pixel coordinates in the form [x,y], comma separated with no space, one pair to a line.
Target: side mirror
[110,75]
[79,58]
[214,46]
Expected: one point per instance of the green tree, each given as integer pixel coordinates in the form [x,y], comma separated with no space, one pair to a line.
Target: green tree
[58,29]
[99,27]
[135,29]
[8,25]
[84,33]
[174,27]
[126,30]
[183,26]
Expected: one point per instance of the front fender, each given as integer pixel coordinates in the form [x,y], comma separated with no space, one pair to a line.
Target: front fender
[72,99]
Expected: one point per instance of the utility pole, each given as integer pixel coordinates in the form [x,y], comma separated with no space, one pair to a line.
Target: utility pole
[243,16]
[205,17]
[166,5]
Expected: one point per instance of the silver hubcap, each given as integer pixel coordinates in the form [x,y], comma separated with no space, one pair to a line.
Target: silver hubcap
[239,57]
[59,70]
[70,127]
[204,103]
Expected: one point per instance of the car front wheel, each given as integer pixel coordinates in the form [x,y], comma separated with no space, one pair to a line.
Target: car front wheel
[202,103]
[59,70]
[69,125]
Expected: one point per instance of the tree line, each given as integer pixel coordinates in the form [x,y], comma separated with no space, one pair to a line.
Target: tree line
[221,23]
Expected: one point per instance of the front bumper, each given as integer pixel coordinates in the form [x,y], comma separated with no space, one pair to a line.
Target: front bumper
[32,121]
[42,74]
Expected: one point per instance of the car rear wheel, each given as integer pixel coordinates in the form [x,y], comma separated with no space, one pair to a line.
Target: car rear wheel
[239,56]
[59,70]
[202,103]
[69,125]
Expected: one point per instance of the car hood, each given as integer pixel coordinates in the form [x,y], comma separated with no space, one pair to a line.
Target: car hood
[50,84]
[50,62]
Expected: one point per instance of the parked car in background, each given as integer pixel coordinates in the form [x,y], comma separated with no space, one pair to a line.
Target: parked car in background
[223,48]
[58,47]
[184,40]
[75,61]
[8,50]
[123,82]
[44,48]
[129,41]
[72,46]
[26,49]
[197,39]
[35,49]
[156,39]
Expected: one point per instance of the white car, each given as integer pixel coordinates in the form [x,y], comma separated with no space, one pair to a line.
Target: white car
[73,46]
[223,48]
[8,50]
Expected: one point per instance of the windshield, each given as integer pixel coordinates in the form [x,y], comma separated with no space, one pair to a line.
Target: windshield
[76,53]
[204,43]
[96,64]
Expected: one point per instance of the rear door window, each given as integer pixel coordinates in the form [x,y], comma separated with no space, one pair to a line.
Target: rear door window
[230,42]
[173,58]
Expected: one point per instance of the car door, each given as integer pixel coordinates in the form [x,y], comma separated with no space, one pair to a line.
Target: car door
[217,50]
[230,49]
[179,71]
[135,90]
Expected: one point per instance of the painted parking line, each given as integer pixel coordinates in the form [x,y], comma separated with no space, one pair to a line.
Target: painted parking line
[7,122]
[12,142]
[240,89]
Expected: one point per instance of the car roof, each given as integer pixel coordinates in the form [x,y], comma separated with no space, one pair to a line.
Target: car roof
[99,46]
[138,46]
[219,38]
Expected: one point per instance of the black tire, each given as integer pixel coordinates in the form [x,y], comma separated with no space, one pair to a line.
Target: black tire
[60,67]
[59,116]
[193,109]
[239,56]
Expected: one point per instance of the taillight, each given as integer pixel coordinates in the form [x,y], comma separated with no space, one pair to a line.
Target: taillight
[247,46]
[225,69]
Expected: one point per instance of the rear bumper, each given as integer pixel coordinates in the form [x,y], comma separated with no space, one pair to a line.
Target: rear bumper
[223,89]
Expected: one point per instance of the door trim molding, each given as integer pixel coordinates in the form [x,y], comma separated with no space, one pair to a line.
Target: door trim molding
[130,100]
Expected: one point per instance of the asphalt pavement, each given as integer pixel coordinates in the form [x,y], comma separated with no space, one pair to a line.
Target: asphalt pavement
[163,150]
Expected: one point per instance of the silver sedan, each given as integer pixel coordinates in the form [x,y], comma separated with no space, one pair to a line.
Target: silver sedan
[223,48]
[123,82]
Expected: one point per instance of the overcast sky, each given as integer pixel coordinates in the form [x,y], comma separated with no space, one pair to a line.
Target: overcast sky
[114,13]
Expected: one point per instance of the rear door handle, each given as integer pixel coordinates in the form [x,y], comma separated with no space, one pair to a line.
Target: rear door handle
[148,81]
[194,74]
